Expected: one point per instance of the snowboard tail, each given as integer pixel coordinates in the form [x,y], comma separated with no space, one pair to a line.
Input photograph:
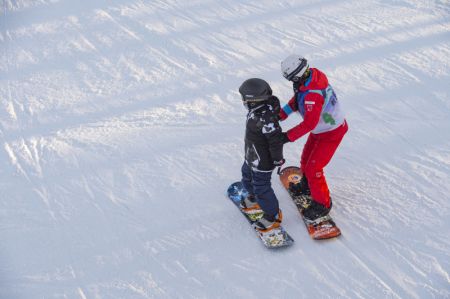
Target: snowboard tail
[274,238]
[320,229]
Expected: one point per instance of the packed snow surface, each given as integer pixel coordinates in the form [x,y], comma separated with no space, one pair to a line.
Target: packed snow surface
[121,128]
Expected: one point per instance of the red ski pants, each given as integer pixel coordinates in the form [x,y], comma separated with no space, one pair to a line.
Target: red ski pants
[317,153]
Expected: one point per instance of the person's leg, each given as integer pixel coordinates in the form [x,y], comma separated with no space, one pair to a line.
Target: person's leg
[319,157]
[306,152]
[247,178]
[268,202]
[302,188]
[264,193]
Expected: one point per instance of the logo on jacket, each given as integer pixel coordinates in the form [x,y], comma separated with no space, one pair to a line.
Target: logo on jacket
[268,128]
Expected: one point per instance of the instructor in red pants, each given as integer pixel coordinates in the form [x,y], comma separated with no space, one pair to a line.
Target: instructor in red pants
[323,118]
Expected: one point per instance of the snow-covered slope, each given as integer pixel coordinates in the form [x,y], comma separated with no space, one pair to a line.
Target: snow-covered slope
[121,128]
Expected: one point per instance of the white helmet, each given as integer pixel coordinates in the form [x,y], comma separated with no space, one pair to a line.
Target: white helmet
[294,66]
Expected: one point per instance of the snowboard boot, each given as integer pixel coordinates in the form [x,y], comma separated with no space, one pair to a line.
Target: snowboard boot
[315,211]
[301,193]
[269,222]
[249,205]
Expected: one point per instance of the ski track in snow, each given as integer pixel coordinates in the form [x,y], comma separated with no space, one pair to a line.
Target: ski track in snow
[121,128]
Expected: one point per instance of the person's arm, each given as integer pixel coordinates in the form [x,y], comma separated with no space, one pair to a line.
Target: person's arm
[313,109]
[274,135]
[287,109]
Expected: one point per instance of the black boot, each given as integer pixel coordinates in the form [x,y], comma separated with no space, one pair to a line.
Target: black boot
[300,188]
[301,193]
[316,211]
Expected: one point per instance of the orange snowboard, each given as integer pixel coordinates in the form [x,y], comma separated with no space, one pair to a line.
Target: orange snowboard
[322,228]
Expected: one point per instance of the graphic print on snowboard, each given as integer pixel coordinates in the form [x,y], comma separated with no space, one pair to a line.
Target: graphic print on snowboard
[322,228]
[274,238]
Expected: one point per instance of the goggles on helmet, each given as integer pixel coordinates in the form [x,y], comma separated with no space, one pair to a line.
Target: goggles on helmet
[252,102]
[301,79]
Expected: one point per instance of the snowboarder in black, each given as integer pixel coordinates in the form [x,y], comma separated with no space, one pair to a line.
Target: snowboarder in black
[264,141]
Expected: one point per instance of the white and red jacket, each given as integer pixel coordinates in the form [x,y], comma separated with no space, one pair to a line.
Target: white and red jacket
[317,103]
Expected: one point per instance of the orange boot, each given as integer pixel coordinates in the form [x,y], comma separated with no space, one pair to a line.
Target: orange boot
[249,205]
[269,222]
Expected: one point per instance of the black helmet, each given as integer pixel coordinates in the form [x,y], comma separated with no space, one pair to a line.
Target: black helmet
[254,92]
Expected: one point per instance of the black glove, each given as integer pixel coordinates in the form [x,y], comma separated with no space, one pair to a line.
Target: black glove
[276,105]
[279,163]
[277,117]
[285,138]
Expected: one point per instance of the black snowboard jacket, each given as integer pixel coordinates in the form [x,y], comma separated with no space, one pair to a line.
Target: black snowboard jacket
[263,136]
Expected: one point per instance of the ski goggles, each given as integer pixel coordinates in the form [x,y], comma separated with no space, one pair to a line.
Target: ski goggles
[301,79]
[252,102]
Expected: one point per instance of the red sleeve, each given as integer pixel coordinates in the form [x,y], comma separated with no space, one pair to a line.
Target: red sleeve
[293,107]
[282,115]
[313,109]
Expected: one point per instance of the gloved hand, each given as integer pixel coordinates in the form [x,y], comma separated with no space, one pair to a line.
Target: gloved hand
[279,163]
[275,118]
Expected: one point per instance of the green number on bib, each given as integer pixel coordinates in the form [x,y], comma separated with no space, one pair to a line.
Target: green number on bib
[327,118]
